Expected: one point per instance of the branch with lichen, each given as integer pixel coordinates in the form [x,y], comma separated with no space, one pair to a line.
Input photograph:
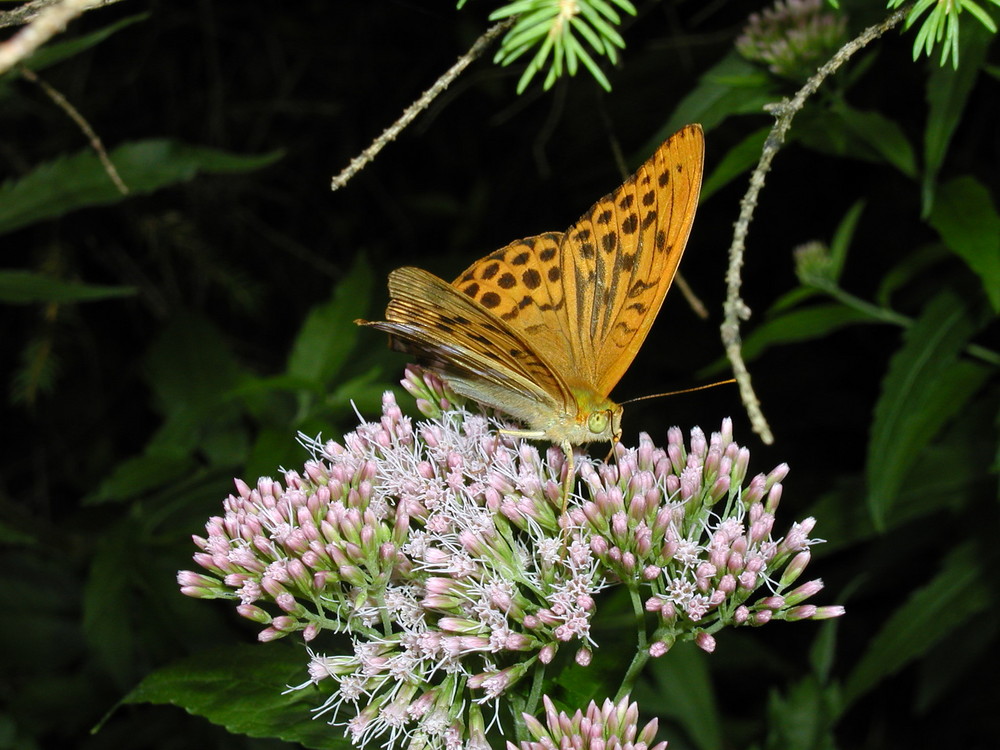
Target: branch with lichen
[362,160]
[735,309]
[46,20]
[31,10]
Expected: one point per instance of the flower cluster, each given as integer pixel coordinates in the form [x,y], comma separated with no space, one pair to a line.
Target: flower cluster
[441,549]
[611,727]
[792,38]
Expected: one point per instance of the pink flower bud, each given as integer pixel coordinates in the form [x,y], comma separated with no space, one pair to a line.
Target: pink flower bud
[828,612]
[802,612]
[777,474]
[270,634]
[803,592]
[705,642]
[658,649]
[795,568]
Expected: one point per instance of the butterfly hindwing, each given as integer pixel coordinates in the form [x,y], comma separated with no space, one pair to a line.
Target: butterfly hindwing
[485,358]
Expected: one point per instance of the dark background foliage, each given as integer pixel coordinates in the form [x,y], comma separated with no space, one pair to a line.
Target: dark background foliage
[126,416]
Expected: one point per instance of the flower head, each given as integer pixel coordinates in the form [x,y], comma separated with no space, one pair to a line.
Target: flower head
[612,726]
[440,548]
[793,37]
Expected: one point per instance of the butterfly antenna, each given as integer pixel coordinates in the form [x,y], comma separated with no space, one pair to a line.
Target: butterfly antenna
[677,393]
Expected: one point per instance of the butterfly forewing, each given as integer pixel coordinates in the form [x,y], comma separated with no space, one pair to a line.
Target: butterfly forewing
[619,259]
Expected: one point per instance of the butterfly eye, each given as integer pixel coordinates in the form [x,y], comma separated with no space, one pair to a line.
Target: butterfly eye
[597,423]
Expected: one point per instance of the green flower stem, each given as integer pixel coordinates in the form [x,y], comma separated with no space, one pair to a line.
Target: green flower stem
[886,315]
[642,647]
[535,696]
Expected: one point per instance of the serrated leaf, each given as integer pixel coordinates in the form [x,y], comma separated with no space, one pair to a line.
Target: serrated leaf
[966,219]
[948,91]
[189,366]
[77,181]
[51,54]
[732,86]
[25,287]
[329,332]
[683,690]
[138,475]
[803,718]
[241,688]
[925,385]
[929,616]
[739,159]
[883,135]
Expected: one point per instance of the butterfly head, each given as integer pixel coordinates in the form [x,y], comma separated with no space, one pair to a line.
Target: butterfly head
[606,424]
[598,419]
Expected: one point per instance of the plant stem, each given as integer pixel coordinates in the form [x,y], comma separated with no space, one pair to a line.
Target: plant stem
[886,315]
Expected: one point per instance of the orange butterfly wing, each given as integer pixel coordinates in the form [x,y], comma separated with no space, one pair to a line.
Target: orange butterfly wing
[620,257]
[586,298]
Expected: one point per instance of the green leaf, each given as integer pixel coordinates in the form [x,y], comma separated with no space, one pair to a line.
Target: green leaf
[190,366]
[929,616]
[25,287]
[73,182]
[329,332]
[948,91]
[946,668]
[739,159]
[683,692]
[732,86]
[852,134]
[51,54]
[967,221]
[925,385]
[797,325]
[841,241]
[883,135]
[139,475]
[911,265]
[106,597]
[242,688]
[803,719]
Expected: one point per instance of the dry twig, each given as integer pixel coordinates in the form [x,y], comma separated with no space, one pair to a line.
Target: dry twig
[75,116]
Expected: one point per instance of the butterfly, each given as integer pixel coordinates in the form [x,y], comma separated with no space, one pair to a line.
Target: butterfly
[544,328]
